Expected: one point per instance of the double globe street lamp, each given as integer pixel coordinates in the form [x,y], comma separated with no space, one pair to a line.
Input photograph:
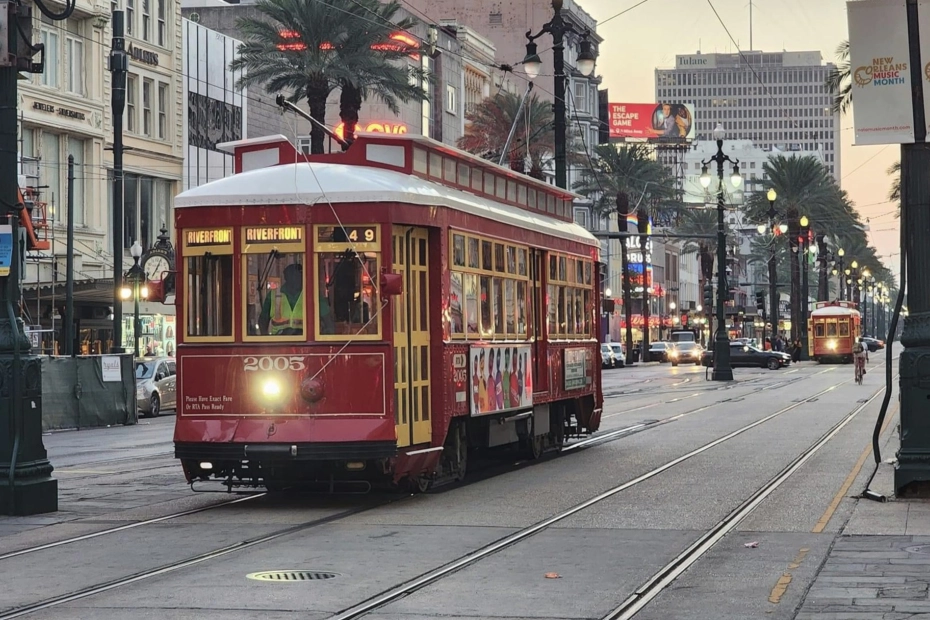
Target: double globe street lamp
[723,370]
[138,290]
[532,64]
[772,195]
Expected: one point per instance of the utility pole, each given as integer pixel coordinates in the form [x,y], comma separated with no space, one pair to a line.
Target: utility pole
[912,473]
[26,485]
[69,262]
[119,65]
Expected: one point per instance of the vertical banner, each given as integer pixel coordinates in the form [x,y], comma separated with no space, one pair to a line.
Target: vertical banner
[923,21]
[883,109]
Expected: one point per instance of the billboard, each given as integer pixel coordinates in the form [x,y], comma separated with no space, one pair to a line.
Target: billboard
[501,378]
[656,122]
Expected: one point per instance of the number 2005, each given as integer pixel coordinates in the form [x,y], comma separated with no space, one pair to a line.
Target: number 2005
[254,364]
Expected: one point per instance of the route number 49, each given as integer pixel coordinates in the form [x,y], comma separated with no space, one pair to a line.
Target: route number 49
[254,364]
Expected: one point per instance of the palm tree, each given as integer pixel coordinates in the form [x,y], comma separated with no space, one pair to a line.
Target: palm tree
[838,80]
[490,122]
[619,181]
[700,222]
[804,187]
[309,49]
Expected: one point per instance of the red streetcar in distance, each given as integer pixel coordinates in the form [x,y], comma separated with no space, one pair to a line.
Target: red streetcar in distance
[834,327]
[375,315]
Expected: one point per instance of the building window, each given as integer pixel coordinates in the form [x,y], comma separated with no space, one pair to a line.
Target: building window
[75,74]
[147,20]
[147,203]
[162,110]
[130,15]
[451,103]
[162,25]
[147,107]
[49,76]
[76,150]
[131,103]
[51,173]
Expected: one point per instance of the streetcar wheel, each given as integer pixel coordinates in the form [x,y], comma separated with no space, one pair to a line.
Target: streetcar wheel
[773,364]
[420,484]
[156,406]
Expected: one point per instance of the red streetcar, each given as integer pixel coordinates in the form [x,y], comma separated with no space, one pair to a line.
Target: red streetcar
[376,314]
[834,328]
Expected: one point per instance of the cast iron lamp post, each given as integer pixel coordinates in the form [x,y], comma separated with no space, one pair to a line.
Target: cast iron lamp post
[136,276]
[532,63]
[723,371]
[804,258]
[773,275]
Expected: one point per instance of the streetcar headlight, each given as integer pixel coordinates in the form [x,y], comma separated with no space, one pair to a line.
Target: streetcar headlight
[831,344]
[271,389]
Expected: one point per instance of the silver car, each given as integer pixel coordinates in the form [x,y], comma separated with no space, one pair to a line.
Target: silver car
[156,384]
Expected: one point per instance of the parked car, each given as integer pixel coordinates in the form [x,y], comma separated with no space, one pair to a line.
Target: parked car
[156,384]
[658,352]
[607,357]
[874,344]
[619,357]
[685,352]
[745,355]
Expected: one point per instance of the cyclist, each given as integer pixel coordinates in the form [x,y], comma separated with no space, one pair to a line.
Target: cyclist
[860,354]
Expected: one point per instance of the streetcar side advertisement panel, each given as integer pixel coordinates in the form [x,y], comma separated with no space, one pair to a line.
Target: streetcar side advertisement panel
[501,378]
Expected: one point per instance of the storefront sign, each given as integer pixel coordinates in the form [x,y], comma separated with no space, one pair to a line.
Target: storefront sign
[45,107]
[219,236]
[274,234]
[392,128]
[144,56]
[501,378]
[576,368]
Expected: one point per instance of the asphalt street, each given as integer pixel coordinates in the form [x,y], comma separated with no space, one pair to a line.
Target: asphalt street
[675,457]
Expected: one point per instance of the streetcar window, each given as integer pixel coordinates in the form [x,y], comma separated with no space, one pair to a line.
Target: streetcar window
[209,293]
[501,188]
[276,300]
[553,274]
[472,253]
[511,259]
[831,328]
[420,160]
[587,273]
[521,308]
[347,304]
[531,199]
[458,250]
[487,327]
[435,165]
[818,330]
[486,254]
[588,308]
[510,302]
[489,184]
[844,329]
[456,316]
[499,258]
[477,180]
[471,304]
[511,191]
[497,301]
[463,175]
[449,169]
[521,261]
[552,302]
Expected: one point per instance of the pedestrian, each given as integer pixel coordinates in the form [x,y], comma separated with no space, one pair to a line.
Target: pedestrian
[796,351]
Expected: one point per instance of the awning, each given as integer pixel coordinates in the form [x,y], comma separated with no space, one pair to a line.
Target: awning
[85,291]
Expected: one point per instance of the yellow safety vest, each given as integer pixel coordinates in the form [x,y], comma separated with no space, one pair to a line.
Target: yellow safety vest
[285,315]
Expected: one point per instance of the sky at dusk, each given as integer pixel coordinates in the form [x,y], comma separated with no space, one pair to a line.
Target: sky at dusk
[650,36]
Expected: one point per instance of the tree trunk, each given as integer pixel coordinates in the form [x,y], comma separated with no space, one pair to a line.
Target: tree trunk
[350,102]
[317,93]
[794,229]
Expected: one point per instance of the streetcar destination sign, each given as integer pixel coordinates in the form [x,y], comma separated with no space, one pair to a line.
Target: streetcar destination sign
[274,234]
[219,236]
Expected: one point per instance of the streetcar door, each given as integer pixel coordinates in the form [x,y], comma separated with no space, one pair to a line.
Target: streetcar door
[411,336]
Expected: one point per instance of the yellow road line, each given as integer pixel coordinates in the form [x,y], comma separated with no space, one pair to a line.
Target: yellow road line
[825,519]
[781,586]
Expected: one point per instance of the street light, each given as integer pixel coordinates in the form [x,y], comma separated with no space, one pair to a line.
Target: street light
[136,276]
[532,64]
[772,195]
[723,371]
[805,290]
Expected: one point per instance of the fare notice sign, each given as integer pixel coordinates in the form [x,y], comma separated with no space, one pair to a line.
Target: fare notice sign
[880,71]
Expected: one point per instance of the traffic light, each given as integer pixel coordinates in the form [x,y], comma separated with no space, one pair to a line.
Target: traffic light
[708,297]
[760,300]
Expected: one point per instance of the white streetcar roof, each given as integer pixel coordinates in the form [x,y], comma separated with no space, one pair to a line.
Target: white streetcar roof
[336,183]
[834,311]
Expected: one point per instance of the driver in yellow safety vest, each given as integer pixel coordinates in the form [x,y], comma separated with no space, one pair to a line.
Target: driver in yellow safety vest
[283,314]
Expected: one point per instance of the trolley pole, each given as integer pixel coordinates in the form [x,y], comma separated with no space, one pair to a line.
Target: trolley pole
[119,65]
[912,473]
[26,485]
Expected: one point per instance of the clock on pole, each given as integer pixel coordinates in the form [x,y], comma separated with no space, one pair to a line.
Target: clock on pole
[158,266]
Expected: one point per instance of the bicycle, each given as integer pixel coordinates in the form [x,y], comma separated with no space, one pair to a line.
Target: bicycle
[860,368]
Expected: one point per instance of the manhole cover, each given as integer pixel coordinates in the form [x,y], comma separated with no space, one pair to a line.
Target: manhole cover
[291,575]
[918,549]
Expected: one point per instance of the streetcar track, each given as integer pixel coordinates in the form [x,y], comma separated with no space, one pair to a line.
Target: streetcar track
[56,601]
[417,583]
[665,576]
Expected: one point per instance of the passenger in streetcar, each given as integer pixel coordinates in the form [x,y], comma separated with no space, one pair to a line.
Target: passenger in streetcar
[288,319]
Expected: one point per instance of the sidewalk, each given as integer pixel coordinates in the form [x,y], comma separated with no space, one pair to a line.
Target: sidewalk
[879,566]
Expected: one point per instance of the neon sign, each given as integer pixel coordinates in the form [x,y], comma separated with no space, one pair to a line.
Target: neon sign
[397,42]
[393,128]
